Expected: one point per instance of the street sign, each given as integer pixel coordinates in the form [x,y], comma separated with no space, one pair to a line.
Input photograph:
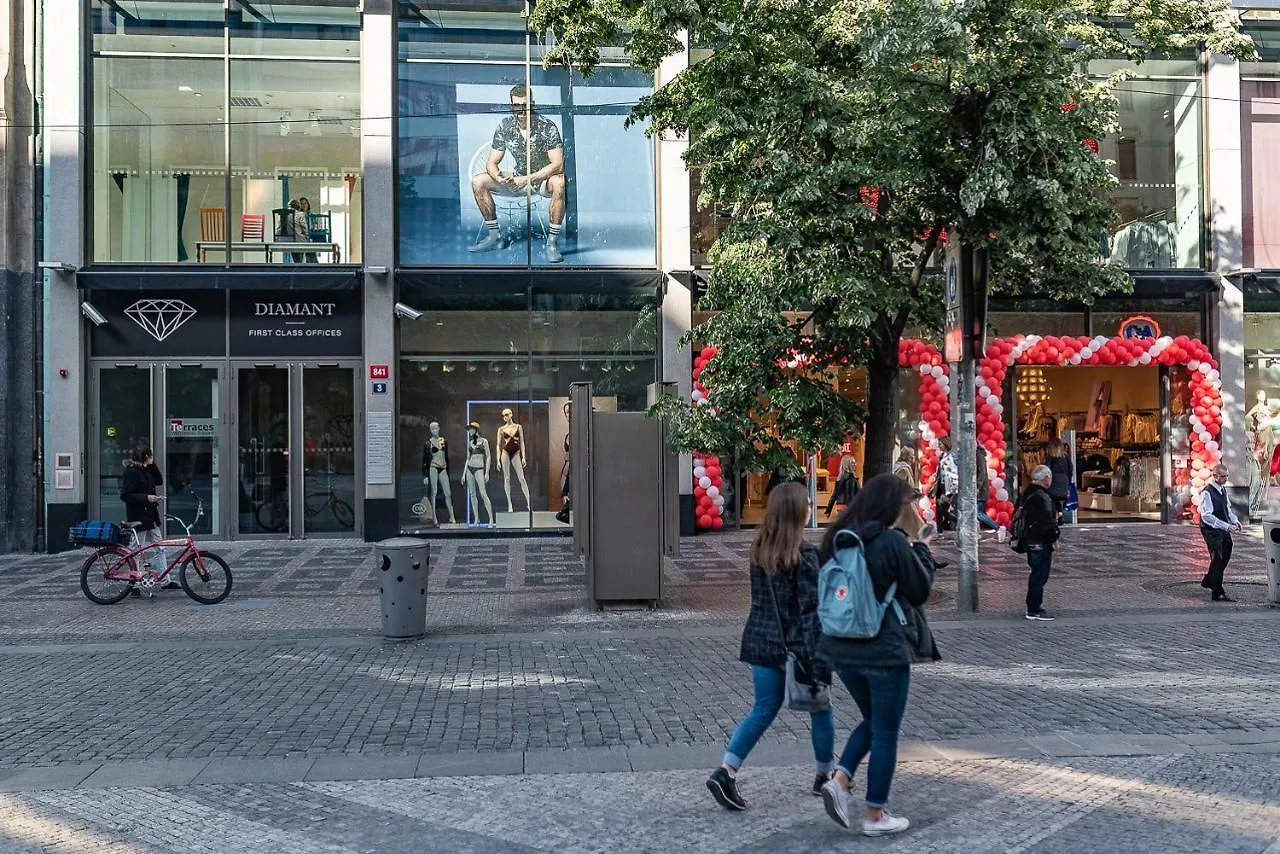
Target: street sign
[966,300]
[379,372]
[378,388]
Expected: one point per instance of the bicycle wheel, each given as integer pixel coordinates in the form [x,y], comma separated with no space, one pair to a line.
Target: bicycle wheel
[209,581]
[107,574]
[343,513]
[273,514]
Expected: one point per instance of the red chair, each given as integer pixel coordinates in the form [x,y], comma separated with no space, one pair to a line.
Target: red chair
[253,227]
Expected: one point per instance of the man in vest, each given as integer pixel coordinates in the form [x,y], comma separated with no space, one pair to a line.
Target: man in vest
[1217,523]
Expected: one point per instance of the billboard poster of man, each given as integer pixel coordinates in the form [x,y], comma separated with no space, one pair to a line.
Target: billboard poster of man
[497,170]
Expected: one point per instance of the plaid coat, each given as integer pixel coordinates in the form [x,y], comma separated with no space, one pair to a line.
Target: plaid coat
[797,595]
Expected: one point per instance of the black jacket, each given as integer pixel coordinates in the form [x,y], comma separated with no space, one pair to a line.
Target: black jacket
[797,595]
[1061,468]
[846,489]
[890,557]
[1041,516]
[138,482]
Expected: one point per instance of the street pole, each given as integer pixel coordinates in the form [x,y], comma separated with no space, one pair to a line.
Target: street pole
[966,318]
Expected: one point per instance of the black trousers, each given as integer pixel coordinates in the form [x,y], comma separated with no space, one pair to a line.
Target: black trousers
[1040,560]
[1219,543]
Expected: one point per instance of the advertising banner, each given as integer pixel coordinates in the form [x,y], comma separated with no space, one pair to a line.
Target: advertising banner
[296,323]
[503,166]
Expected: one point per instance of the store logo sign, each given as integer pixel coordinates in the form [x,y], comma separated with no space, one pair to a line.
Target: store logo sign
[293,309]
[1139,326]
[192,426]
[160,318]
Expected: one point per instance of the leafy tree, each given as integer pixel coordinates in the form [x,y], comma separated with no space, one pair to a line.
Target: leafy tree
[846,136]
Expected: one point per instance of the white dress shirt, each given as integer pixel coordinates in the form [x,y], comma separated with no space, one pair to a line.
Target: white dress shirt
[1204,503]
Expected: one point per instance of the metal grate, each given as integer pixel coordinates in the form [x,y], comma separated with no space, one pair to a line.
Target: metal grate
[243,101]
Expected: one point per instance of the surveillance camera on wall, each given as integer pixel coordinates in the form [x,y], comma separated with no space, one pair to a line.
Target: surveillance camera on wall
[407,312]
[95,317]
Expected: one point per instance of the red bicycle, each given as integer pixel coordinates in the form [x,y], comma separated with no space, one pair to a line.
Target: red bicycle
[111,571]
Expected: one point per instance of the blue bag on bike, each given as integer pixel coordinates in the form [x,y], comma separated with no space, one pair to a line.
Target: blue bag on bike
[94,532]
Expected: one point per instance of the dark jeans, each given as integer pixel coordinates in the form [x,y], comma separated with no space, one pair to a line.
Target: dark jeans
[770,689]
[1040,559]
[881,695]
[1219,543]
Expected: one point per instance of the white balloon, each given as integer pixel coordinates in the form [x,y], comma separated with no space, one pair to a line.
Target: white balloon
[992,401]
[1164,341]
[1194,364]
[924,369]
[697,395]
[1144,359]
[704,481]
[1075,358]
[1002,495]
[718,500]
[699,471]
[713,491]
[998,407]
[1211,445]
[997,482]
[935,372]
[698,461]
[1211,374]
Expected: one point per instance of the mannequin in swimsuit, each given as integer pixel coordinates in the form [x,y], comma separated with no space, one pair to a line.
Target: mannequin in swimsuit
[511,456]
[475,474]
[435,470]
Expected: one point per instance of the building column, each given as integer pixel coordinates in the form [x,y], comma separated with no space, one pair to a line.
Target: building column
[65,370]
[674,256]
[19,304]
[377,138]
[1225,181]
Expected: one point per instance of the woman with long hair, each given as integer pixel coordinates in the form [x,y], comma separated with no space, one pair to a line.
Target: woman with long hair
[1055,457]
[846,484]
[877,671]
[784,568]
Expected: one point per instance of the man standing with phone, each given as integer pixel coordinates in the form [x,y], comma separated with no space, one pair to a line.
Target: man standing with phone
[1217,523]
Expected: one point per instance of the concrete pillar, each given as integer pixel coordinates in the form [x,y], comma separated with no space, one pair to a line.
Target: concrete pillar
[1226,210]
[19,301]
[674,256]
[377,138]
[63,331]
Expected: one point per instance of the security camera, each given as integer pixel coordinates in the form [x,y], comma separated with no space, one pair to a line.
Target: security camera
[407,312]
[95,317]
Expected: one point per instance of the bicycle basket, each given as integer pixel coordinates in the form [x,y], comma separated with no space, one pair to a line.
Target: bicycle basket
[93,532]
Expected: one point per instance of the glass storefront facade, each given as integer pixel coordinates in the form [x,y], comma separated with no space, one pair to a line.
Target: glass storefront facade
[225,134]
[1260,143]
[502,357]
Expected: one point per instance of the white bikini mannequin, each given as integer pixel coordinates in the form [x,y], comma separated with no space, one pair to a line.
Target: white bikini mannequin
[436,462]
[511,456]
[475,474]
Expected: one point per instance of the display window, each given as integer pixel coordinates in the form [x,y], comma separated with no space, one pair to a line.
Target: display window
[510,164]
[179,86]
[1262,405]
[1157,158]
[484,397]
[1260,140]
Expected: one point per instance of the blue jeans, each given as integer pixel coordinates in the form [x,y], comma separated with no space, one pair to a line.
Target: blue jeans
[983,518]
[770,687]
[1040,560]
[881,695]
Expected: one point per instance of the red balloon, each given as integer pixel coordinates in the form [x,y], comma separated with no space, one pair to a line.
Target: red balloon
[713,472]
[699,492]
[717,523]
[704,521]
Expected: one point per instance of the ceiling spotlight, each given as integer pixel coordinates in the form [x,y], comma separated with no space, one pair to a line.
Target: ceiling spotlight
[184,89]
[471,369]
[446,367]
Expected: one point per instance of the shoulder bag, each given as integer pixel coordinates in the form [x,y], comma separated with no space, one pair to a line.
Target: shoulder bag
[801,694]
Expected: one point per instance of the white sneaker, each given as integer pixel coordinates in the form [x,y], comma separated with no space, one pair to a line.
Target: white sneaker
[887,825]
[835,798]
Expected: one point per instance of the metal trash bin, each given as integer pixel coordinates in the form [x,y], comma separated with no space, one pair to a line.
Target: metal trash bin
[403,565]
[1271,540]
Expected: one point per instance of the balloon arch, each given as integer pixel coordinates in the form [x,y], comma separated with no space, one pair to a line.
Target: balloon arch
[1205,390]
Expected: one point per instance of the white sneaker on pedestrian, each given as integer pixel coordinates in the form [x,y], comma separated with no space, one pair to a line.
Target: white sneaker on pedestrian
[887,825]
[835,798]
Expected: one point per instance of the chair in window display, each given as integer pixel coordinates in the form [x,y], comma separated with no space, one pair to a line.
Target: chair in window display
[318,230]
[511,205]
[253,227]
[213,228]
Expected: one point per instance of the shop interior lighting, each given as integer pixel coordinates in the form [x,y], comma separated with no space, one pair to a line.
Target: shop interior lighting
[446,367]
[471,368]
[1032,386]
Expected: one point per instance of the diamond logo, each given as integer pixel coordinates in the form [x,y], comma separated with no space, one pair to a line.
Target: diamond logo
[160,318]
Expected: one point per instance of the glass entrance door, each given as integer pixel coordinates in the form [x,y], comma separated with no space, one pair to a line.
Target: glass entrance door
[122,421]
[329,457]
[262,446]
[192,429]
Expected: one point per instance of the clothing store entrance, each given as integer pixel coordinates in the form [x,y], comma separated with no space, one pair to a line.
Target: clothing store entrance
[298,469]
[1124,429]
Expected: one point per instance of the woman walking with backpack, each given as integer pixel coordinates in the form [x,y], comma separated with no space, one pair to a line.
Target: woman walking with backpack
[784,615]
[877,670]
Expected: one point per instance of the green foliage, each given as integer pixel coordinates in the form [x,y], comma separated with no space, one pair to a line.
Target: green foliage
[964,116]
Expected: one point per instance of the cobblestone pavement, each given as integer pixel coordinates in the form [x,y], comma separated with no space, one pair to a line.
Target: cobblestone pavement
[1143,720]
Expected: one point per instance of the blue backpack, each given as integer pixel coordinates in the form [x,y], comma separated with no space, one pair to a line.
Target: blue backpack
[847,604]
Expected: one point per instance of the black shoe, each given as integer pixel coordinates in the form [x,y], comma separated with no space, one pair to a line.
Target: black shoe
[1204,582]
[171,585]
[941,564]
[725,790]
[818,782]
[1221,596]
[1042,616]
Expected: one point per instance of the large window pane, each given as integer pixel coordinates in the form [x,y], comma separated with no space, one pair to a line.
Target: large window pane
[157,155]
[463,163]
[1260,144]
[1156,155]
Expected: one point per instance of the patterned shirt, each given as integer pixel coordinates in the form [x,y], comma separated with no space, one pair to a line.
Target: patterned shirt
[511,139]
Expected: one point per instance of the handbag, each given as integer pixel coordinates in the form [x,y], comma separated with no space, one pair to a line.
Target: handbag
[800,692]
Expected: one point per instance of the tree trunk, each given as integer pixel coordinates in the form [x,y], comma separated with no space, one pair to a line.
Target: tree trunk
[882,406]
